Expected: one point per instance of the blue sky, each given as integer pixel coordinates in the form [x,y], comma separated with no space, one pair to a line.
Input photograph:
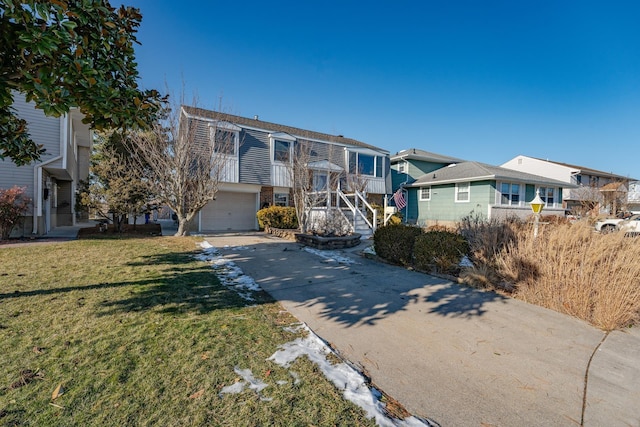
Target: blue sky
[479,80]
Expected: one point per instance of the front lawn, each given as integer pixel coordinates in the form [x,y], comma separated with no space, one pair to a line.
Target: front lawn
[139,332]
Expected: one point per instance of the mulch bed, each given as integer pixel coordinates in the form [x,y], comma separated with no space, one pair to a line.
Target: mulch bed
[128,230]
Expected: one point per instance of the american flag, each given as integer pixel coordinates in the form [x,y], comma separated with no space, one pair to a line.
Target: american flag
[398,197]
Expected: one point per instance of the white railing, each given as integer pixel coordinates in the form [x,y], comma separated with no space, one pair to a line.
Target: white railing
[358,208]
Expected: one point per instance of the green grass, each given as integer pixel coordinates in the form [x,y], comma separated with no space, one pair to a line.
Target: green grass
[138,332]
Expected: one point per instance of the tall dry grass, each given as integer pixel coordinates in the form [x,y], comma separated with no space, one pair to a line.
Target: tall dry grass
[568,268]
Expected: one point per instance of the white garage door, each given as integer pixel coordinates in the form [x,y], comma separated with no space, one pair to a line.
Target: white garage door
[230,212]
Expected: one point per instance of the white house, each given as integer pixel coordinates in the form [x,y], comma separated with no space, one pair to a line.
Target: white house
[50,183]
[588,180]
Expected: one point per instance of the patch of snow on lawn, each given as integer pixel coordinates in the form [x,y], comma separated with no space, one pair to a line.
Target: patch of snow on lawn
[343,376]
[330,256]
[249,381]
[228,272]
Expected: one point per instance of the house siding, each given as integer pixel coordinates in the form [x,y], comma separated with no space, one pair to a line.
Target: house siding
[43,130]
[443,207]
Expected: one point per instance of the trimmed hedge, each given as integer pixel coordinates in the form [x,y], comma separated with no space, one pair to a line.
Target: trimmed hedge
[439,250]
[278,217]
[395,242]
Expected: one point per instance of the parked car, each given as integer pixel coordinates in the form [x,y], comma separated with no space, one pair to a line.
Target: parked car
[608,225]
[630,225]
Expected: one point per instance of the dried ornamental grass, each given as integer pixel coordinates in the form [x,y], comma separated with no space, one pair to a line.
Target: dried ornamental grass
[573,270]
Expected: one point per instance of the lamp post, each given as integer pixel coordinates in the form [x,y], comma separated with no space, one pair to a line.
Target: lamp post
[536,206]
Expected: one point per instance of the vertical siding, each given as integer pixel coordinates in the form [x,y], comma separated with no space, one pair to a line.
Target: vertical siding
[255,163]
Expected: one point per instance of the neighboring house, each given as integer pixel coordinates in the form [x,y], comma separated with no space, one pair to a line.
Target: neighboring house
[257,170]
[445,195]
[50,183]
[633,197]
[409,165]
[585,194]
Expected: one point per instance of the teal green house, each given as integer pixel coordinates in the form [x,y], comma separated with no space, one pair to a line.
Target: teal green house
[441,190]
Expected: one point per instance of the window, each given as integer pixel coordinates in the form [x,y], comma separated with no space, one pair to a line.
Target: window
[425,194]
[365,164]
[402,167]
[281,199]
[224,141]
[281,151]
[548,195]
[510,194]
[320,180]
[462,192]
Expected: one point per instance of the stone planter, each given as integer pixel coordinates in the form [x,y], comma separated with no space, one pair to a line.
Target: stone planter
[328,243]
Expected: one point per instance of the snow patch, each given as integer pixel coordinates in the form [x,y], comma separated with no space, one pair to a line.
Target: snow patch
[228,272]
[249,381]
[353,385]
[330,256]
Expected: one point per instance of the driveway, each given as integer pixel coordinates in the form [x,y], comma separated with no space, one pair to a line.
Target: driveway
[453,354]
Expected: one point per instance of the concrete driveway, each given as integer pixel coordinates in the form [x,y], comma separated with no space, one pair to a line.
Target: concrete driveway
[453,354]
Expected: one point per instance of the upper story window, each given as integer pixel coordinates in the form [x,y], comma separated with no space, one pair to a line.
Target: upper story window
[225,138]
[281,151]
[402,167]
[463,192]
[365,164]
[510,194]
[425,194]
[281,147]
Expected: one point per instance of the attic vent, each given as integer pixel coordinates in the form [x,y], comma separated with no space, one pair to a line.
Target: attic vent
[255,117]
[434,176]
[340,136]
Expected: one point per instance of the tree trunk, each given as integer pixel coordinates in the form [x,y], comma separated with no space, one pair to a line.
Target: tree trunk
[183,227]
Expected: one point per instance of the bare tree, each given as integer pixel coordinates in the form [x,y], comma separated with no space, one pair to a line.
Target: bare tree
[314,179]
[185,159]
[590,199]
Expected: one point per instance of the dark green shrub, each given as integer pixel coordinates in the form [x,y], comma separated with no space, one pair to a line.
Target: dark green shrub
[395,242]
[278,217]
[439,250]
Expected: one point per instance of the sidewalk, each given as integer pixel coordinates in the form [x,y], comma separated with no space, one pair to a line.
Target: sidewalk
[453,354]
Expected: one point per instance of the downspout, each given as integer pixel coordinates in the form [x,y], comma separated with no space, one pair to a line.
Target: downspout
[37,174]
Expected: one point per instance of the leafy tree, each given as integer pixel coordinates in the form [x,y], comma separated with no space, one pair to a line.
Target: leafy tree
[69,53]
[13,204]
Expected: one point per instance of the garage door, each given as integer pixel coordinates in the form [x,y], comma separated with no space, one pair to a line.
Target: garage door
[230,212]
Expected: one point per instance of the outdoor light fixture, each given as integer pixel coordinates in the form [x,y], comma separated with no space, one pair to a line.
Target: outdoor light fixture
[536,206]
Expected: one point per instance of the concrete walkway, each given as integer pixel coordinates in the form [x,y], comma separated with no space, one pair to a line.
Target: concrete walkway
[455,355]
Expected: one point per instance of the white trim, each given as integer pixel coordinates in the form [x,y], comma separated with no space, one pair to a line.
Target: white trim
[272,149]
[239,188]
[283,136]
[521,193]
[420,198]
[468,192]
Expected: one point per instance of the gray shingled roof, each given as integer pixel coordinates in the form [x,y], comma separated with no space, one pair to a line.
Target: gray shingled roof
[417,154]
[274,127]
[475,171]
[588,171]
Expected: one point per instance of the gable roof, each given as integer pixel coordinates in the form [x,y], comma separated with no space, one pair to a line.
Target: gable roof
[475,171]
[427,156]
[587,171]
[274,127]
[613,187]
